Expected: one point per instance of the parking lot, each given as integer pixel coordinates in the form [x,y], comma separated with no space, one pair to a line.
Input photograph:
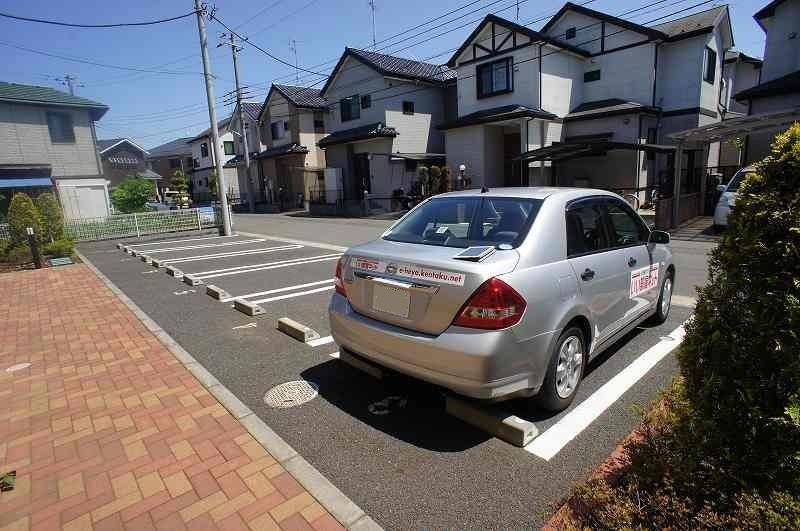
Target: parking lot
[389,445]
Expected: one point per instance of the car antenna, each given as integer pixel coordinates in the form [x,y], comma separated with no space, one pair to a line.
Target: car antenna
[484,189]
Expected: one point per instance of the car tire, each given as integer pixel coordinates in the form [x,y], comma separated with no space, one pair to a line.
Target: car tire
[662,309]
[563,379]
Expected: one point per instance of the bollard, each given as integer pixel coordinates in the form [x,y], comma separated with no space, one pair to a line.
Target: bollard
[37,258]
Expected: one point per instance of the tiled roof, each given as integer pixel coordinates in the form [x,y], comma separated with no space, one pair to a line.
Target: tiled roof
[788,84]
[107,143]
[609,107]
[302,96]
[497,114]
[696,22]
[220,125]
[627,24]
[364,132]
[172,148]
[407,68]
[253,109]
[33,94]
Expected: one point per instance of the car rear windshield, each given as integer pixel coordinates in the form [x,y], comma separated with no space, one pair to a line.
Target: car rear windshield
[737,180]
[467,221]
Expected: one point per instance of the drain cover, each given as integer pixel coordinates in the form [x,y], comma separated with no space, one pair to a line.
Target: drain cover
[291,394]
[18,367]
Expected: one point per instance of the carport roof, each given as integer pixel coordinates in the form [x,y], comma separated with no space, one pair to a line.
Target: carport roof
[738,126]
[498,114]
[570,150]
[788,84]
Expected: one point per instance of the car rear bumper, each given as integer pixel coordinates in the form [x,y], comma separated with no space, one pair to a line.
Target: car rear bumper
[476,363]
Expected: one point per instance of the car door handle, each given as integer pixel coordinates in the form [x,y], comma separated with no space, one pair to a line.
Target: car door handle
[631,261]
[587,275]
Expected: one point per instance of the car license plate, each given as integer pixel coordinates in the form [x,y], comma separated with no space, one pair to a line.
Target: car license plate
[390,299]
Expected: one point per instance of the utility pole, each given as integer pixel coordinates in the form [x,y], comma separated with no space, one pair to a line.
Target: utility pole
[69,82]
[372,8]
[212,116]
[251,200]
[293,47]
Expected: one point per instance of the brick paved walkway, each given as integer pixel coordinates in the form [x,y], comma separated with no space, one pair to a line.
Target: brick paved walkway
[107,430]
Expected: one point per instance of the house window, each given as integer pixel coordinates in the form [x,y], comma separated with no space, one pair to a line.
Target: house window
[286,125]
[349,107]
[591,75]
[195,163]
[570,34]
[60,126]
[174,164]
[204,150]
[710,68]
[408,107]
[278,130]
[319,122]
[366,101]
[228,147]
[495,78]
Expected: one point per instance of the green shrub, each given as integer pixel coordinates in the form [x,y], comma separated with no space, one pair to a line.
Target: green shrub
[22,213]
[132,194]
[18,254]
[59,248]
[5,245]
[52,217]
[740,358]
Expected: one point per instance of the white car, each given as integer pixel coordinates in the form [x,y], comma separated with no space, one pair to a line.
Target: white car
[728,197]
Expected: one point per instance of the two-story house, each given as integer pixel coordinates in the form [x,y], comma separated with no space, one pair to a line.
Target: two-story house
[122,158]
[739,72]
[167,158]
[779,85]
[383,122]
[249,112]
[48,138]
[291,122]
[588,100]
[204,165]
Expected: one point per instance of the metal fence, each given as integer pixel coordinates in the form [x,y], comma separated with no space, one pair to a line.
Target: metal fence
[5,233]
[142,223]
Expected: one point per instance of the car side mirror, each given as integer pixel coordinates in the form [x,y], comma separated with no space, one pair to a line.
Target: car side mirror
[659,236]
[721,187]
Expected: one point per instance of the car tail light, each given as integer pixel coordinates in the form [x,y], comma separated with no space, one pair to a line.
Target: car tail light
[493,306]
[338,282]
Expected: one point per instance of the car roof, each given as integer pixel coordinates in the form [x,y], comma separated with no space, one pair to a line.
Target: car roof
[532,192]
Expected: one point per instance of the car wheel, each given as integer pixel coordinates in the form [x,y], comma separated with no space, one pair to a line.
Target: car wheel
[664,302]
[565,371]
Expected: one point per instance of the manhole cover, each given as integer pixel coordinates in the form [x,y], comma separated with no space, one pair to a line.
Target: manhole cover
[18,367]
[291,394]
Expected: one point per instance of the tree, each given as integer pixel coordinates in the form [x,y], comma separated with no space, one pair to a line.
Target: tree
[212,184]
[180,183]
[423,178]
[740,359]
[22,213]
[132,194]
[52,217]
[447,179]
[435,175]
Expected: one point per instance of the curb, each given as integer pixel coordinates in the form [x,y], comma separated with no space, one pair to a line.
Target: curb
[350,515]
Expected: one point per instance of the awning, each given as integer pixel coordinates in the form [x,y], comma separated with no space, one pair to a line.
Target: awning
[412,156]
[150,174]
[364,132]
[571,150]
[280,151]
[27,182]
[497,114]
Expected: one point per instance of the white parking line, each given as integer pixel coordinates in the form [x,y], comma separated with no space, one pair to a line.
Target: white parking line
[319,342]
[273,265]
[231,253]
[573,423]
[277,290]
[292,295]
[179,241]
[237,268]
[190,247]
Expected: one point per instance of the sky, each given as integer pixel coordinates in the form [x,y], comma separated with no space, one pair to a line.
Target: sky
[155,107]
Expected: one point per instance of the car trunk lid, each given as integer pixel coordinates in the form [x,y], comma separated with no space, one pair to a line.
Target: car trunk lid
[416,286]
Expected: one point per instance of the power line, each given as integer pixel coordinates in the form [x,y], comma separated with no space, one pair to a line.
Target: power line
[117,25]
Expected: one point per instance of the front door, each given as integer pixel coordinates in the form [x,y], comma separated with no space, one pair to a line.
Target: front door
[361,182]
[511,169]
[602,287]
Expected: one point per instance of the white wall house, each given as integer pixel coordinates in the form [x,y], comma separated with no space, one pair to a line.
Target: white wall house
[606,89]
[47,138]
[290,164]
[204,163]
[779,85]
[383,121]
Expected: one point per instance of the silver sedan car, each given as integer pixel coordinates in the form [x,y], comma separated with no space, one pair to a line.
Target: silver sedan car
[502,293]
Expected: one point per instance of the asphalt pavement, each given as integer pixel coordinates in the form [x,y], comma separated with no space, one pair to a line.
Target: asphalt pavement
[388,445]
